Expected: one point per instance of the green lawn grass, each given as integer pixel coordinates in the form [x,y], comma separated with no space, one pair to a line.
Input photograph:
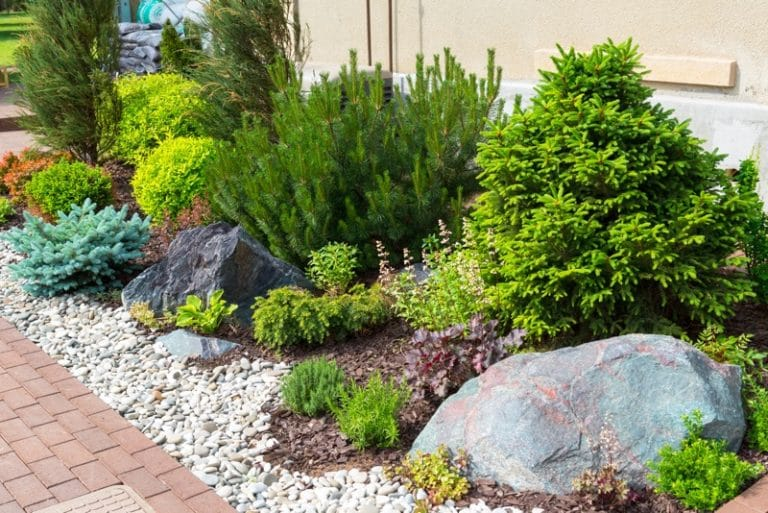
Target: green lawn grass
[12,25]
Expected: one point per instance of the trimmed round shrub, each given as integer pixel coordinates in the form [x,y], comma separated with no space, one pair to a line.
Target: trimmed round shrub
[602,213]
[155,108]
[64,184]
[172,176]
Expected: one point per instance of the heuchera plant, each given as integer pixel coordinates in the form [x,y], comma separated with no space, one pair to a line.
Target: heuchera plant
[441,361]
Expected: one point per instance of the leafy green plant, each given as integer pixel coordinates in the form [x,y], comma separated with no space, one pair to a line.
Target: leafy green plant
[440,474]
[734,350]
[66,62]
[6,209]
[701,473]
[367,415]
[85,250]
[156,107]
[289,316]
[332,267]
[67,184]
[754,242]
[441,361]
[350,166]
[246,37]
[601,212]
[204,318]
[172,176]
[453,291]
[312,386]
[757,419]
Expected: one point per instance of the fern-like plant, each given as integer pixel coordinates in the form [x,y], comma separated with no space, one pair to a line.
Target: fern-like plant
[313,386]
[85,250]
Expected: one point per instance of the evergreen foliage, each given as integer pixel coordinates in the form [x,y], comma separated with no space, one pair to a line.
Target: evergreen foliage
[66,61]
[247,36]
[156,108]
[85,250]
[67,184]
[605,214]
[312,386]
[755,239]
[353,167]
[178,54]
[173,175]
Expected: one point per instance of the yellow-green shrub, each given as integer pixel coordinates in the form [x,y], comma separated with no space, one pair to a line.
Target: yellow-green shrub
[64,184]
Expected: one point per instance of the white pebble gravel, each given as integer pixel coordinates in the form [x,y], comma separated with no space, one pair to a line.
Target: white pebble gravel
[213,421]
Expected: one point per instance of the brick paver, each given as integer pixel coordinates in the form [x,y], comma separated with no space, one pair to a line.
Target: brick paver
[58,441]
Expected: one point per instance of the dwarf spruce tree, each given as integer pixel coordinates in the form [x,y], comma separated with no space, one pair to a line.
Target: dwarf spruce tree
[605,214]
[67,62]
[343,164]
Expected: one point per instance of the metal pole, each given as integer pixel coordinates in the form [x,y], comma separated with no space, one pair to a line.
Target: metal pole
[391,67]
[368,30]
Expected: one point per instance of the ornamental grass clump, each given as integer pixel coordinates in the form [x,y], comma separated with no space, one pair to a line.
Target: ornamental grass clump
[602,213]
[85,250]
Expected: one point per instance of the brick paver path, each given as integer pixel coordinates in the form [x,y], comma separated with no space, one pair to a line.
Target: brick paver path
[58,441]
[753,500]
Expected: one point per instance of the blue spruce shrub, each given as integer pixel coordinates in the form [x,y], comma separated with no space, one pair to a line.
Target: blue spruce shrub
[83,251]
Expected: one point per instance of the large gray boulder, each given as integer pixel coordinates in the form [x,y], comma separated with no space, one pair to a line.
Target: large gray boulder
[531,421]
[204,259]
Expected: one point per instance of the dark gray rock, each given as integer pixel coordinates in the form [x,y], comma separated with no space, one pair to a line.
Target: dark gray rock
[532,420]
[182,343]
[205,259]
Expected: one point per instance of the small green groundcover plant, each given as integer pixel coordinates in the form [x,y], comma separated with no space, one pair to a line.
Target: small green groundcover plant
[701,473]
[144,315]
[289,316]
[440,474]
[65,184]
[206,319]
[313,386]
[602,212]
[85,250]
[368,415]
[735,350]
[6,209]
[332,267]
[757,419]
[171,177]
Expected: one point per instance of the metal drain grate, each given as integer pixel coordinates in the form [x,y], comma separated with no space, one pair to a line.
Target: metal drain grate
[115,499]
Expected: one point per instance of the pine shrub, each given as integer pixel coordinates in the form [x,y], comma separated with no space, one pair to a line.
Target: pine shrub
[367,415]
[85,250]
[352,167]
[156,108]
[177,53]
[173,175]
[247,36]
[755,239]
[67,184]
[604,213]
[312,386]
[66,63]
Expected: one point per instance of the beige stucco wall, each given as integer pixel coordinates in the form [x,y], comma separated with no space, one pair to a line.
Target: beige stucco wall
[733,30]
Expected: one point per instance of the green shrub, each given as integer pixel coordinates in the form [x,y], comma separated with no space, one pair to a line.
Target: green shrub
[439,474]
[204,319]
[754,242]
[351,167]
[452,293]
[66,62]
[178,54]
[702,473]
[312,386]
[332,267]
[85,250]
[289,316]
[735,350]
[169,180]
[67,184]
[6,209]
[156,107]
[757,419]
[602,212]
[368,415]
[246,36]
